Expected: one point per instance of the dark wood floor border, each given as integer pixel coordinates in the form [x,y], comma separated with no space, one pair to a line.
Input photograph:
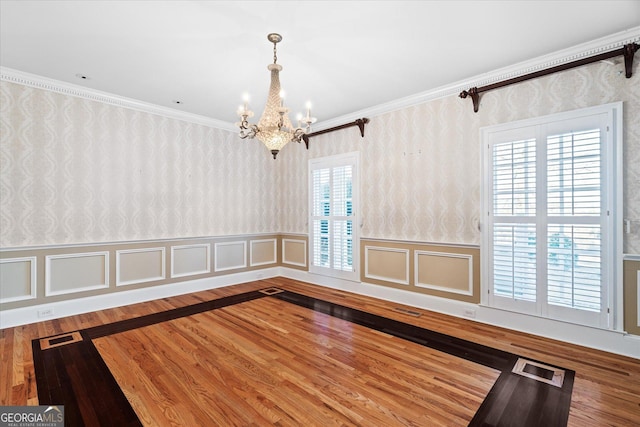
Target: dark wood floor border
[477,353]
[76,376]
[513,400]
[176,313]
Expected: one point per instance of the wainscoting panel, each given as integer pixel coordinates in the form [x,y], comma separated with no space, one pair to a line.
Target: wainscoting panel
[139,265]
[189,260]
[294,252]
[444,271]
[631,284]
[230,255]
[263,252]
[78,272]
[17,279]
[388,264]
[114,267]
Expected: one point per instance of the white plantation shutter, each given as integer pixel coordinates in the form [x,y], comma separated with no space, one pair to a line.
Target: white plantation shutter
[321,196]
[342,218]
[574,266]
[514,227]
[549,198]
[514,261]
[514,178]
[574,200]
[333,200]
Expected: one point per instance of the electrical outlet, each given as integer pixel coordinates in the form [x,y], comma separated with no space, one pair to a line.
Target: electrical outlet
[45,313]
[470,313]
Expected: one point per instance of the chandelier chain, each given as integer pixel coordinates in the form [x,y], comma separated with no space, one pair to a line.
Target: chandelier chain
[275,56]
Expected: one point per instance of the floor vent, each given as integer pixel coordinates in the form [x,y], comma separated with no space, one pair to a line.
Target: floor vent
[58,340]
[539,372]
[271,291]
[406,311]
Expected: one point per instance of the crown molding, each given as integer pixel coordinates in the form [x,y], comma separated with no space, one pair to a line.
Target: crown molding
[584,50]
[594,47]
[64,88]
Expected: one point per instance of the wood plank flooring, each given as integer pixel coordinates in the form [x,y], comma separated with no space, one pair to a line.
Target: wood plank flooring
[268,362]
[606,388]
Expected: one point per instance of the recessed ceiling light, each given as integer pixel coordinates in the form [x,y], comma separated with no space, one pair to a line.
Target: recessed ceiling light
[82,76]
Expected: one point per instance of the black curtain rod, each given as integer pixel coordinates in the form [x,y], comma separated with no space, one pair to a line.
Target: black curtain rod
[627,51]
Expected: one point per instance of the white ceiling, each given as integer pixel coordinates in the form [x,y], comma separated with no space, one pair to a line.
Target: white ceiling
[343,56]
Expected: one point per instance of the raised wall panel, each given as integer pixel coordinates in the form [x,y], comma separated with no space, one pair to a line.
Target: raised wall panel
[262,252]
[631,296]
[294,252]
[230,255]
[388,264]
[189,260]
[70,273]
[444,272]
[139,265]
[17,279]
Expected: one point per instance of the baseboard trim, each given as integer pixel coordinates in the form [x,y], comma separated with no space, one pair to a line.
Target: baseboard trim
[600,339]
[611,341]
[27,315]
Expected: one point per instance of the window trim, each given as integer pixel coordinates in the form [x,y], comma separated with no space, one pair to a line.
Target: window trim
[613,175]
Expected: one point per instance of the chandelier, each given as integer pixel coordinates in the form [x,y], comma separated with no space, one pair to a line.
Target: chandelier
[274,128]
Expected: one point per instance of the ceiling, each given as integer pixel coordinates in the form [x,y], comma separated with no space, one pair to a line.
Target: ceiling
[342,56]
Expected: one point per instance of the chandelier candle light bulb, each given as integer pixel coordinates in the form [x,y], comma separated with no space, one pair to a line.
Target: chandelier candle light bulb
[274,128]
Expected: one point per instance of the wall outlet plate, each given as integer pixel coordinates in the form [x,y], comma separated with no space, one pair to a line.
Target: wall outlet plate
[48,312]
[470,313]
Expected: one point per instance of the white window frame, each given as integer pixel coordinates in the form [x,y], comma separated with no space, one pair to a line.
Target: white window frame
[353,159]
[613,181]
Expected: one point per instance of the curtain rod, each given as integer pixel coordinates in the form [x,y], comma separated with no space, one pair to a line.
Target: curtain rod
[359,122]
[627,51]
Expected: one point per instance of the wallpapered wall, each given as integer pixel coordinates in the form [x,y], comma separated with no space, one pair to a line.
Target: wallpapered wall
[76,171]
[421,165]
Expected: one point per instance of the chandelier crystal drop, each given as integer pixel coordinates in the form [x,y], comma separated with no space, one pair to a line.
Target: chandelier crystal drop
[274,129]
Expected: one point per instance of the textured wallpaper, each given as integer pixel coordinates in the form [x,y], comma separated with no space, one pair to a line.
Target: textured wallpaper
[78,171]
[421,165]
[75,171]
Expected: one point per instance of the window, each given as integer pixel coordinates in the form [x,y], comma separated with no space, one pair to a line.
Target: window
[333,206]
[551,189]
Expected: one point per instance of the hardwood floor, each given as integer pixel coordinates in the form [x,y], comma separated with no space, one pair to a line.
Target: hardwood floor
[268,362]
[606,389]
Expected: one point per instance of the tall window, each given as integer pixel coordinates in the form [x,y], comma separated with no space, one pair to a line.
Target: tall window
[333,206]
[552,187]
